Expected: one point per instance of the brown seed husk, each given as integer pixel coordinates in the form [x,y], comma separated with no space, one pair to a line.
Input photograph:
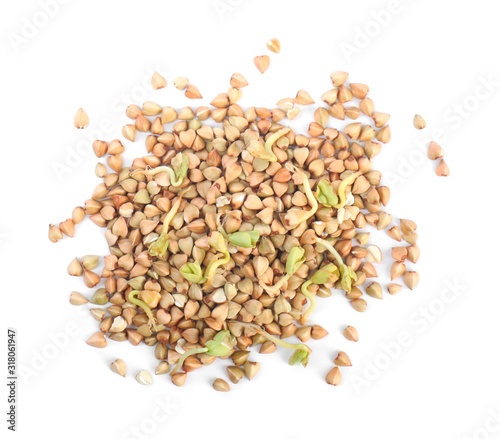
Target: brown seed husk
[179,379]
[442,169]
[55,233]
[251,368]
[411,279]
[100,147]
[359,90]
[351,333]
[359,305]
[394,233]
[97,340]
[238,80]
[158,81]
[192,92]
[419,122]
[90,278]
[129,132]
[384,135]
[408,226]
[144,378]
[413,253]
[240,357]
[399,253]
[118,366]
[235,374]
[274,45]
[318,332]
[397,269]
[262,63]
[78,215]
[334,377]
[435,151]
[220,385]
[342,360]
[338,78]
[81,119]
[181,82]
[303,98]
[374,290]
[394,288]
[162,368]
[75,268]
[68,227]
[77,299]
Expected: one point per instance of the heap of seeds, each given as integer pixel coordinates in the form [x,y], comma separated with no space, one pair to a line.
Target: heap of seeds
[225,234]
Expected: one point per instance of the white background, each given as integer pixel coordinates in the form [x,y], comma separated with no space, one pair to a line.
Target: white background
[427,57]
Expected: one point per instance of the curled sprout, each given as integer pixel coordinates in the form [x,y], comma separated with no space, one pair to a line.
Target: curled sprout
[242,239]
[220,346]
[160,246]
[325,194]
[328,273]
[217,241]
[312,301]
[265,152]
[192,272]
[342,187]
[347,274]
[180,164]
[295,259]
[301,351]
[132,298]
[180,167]
[295,217]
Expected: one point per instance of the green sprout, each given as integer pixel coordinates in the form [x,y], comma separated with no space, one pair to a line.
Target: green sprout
[216,240]
[301,351]
[192,272]
[321,277]
[160,246]
[132,297]
[325,194]
[180,164]
[347,274]
[342,187]
[180,168]
[220,346]
[266,152]
[241,239]
[295,217]
[295,259]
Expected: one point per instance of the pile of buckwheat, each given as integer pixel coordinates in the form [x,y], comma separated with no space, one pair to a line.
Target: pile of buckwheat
[225,235]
